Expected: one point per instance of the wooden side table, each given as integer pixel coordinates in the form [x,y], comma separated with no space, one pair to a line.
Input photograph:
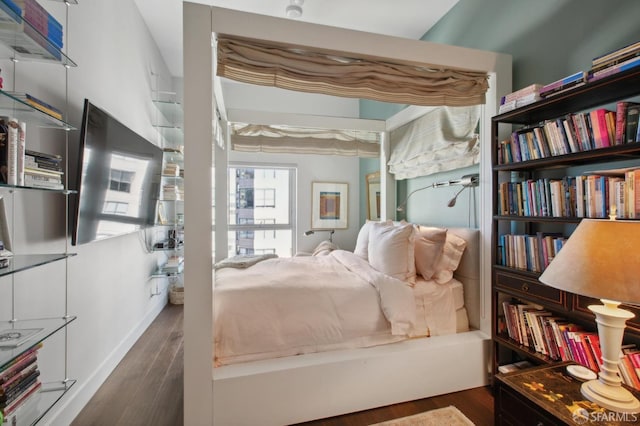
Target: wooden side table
[548,395]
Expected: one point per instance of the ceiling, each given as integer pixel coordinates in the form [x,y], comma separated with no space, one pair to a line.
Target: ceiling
[405,18]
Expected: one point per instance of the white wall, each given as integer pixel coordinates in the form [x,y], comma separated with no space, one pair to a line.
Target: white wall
[108,281]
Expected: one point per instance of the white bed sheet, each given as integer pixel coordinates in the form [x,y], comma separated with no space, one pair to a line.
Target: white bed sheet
[274,309]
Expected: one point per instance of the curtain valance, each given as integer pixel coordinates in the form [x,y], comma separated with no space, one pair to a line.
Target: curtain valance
[290,140]
[304,70]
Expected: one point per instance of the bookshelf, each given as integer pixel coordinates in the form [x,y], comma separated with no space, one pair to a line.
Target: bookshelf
[170,223]
[22,310]
[526,227]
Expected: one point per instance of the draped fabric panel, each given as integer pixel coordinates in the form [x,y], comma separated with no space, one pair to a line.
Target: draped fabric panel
[300,69]
[283,139]
[443,139]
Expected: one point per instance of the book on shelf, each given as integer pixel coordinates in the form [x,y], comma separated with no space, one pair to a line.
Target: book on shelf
[614,69]
[515,366]
[560,86]
[611,57]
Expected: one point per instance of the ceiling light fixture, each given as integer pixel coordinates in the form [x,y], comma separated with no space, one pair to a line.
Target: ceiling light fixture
[294,10]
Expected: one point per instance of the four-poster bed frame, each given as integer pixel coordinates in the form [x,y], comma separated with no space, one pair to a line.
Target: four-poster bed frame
[208,397]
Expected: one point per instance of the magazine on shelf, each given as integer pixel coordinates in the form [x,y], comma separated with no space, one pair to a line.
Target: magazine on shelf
[14,337]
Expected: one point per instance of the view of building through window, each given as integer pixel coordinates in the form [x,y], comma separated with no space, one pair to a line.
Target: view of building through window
[261,202]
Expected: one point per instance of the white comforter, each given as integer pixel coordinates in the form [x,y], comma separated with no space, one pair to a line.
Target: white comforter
[289,306]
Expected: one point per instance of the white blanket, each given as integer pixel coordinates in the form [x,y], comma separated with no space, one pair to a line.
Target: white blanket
[289,306]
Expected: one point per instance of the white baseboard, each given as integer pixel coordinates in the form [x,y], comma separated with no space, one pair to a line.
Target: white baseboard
[74,401]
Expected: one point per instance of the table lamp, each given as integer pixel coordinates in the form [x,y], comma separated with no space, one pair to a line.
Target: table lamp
[601,259]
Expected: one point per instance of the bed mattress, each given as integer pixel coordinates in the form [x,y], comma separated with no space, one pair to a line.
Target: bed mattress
[284,307]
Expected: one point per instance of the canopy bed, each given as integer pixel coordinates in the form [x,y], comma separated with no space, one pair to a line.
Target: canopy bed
[297,388]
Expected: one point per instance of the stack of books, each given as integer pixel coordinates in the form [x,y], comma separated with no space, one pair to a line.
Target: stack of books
[171,169]
[172,192]
[42,27]
[19,386]
[174,265]
[520,98]
[611,63]
[43,170]
[567,83]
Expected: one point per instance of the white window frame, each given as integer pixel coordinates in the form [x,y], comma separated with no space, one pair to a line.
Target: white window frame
[292,226]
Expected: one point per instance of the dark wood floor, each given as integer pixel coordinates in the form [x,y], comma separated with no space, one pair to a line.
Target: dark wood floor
[146,388]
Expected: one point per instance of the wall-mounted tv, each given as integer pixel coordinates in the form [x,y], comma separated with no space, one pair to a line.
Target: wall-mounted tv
[118,179]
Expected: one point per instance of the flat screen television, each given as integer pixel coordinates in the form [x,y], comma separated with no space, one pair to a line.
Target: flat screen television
[118,179]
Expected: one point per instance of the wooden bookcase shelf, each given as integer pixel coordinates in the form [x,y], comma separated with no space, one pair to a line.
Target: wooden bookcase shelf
[522,286]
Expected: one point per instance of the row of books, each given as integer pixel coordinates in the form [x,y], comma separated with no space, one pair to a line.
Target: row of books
[596,195]
[19,388]
[611,63]
[576,132]
[529,252]
[561,340]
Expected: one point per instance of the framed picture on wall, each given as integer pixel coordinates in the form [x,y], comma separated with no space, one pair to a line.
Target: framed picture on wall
[329,205]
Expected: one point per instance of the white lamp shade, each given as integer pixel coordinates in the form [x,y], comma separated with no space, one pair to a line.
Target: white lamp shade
[601,259]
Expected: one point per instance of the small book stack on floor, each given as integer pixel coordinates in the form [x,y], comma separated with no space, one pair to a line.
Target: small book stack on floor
[19,388]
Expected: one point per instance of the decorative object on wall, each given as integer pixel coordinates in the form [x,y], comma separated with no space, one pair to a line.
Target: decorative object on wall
[467,181]
[600,260]
[329,205]
[373,196]
[443,139]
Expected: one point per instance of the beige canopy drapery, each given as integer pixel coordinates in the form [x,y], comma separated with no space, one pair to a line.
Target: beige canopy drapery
[294,140]
[315,71]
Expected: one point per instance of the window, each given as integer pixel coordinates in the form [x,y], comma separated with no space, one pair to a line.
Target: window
[120,180]
[265,197]
[261,210]
[115,207]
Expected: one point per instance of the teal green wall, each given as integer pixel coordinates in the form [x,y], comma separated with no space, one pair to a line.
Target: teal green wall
[547,39]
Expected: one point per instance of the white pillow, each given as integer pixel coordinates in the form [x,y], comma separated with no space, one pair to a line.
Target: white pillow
[391,250]
[429,245]
[449,260]
[362,242]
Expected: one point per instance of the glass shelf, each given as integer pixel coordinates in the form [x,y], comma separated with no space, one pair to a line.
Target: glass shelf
[49,326]
[172,112]
[33,188]
[172,177]
[50,394]
[172,134]
[22,262]
[172,272]
[11,104]
[26,42]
